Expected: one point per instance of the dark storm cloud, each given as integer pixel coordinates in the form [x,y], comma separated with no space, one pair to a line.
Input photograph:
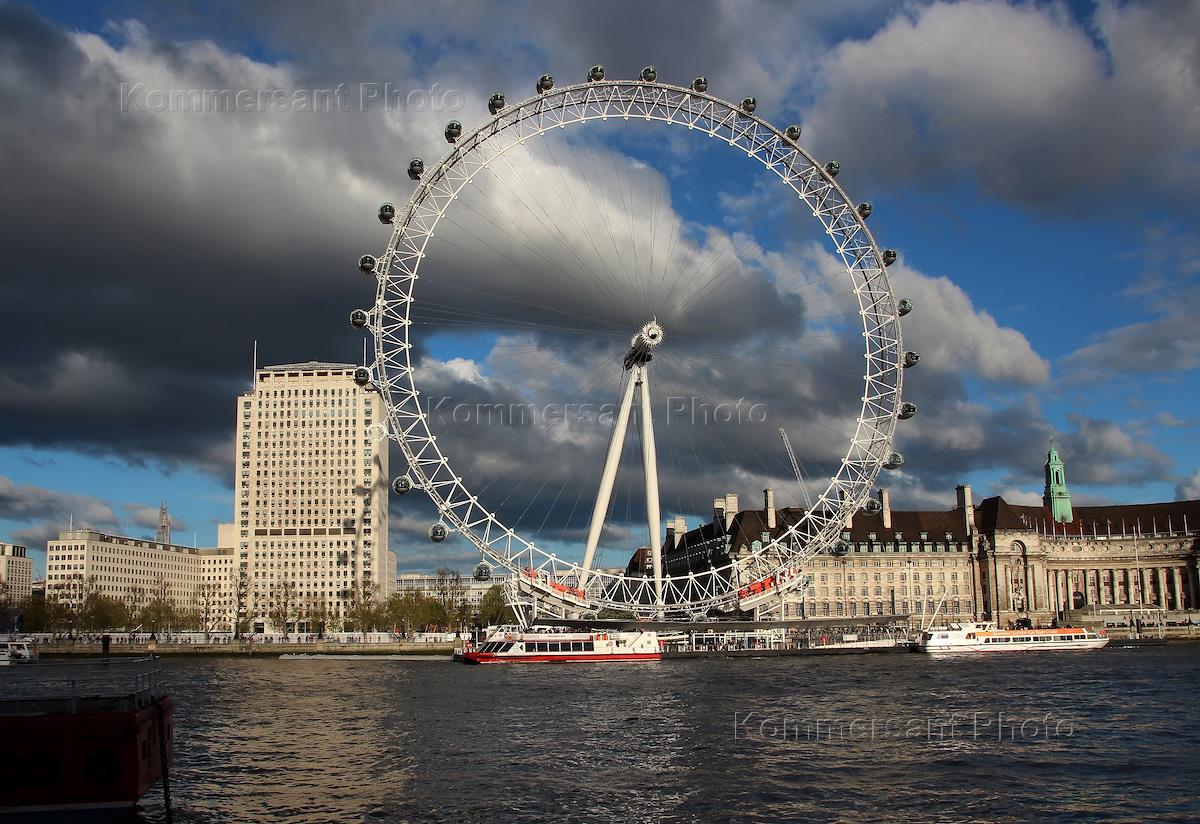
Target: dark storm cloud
[145,250]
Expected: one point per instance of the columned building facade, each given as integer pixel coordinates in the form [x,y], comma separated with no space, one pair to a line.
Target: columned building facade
[992,561]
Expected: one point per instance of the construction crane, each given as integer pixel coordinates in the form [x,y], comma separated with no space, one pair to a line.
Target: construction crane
[796,469]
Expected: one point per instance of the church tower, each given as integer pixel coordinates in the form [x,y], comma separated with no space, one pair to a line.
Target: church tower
[1056,497]
[163,536]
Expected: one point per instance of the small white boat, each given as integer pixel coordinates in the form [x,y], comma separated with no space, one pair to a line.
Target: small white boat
[18,652]
[562,647]
[957,638]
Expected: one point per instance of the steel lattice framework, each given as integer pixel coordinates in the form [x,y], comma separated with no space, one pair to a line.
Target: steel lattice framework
[543,577]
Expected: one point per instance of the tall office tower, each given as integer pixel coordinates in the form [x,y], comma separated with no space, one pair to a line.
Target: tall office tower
[311,489]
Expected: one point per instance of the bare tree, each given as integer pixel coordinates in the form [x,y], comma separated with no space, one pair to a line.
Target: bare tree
[134,602]
[317,612]
[206,602]
[283,605]
[363,610]
[241,602]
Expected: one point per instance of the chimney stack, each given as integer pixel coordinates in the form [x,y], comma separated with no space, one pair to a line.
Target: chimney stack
[731,508]
[671,539]
[967,506]
[885,500]
[769,507]
[680,529]
[719,512]
[849,515]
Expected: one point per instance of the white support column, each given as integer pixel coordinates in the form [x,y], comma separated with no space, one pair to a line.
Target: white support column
[606,480]
[650,469]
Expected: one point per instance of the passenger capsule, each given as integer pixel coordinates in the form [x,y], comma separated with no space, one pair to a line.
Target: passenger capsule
[910,359]
[649,74]
[387,213]
[907,410]
[700,84]
[437,533]
[889,257]
[402,485]
[832,168]
[894,461]
[358,318]
[366,264]
[453,131]
[792,133]
[904,306]
[545,83]
[749,104]
[595,74]
[496,103]
[840,548]
[362,376]
[416,168]
[864,210]
[872,506]
[483,572]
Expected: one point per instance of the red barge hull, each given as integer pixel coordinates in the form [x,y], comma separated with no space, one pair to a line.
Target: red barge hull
[71,762]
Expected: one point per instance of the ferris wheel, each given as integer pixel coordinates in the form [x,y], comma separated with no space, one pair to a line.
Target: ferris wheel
[541,581]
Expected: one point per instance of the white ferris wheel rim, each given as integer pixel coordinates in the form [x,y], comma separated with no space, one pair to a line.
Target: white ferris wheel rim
[775,566]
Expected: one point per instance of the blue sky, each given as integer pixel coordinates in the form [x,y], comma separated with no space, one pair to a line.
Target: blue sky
[1035,165]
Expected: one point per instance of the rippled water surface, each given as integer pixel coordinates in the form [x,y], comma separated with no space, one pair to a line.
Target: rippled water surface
[1110,735]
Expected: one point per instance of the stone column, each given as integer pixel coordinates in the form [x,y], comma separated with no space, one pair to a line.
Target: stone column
[1162,587]
[1178,584]
[1191,587]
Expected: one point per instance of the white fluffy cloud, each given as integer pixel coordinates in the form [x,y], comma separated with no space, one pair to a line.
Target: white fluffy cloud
[1022,98]
[1189,488]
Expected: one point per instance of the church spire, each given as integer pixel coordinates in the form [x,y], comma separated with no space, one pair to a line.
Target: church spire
[1056,497]
[164,525]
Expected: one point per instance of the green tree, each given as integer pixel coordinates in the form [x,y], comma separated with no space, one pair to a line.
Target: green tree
[64,606]
[33,615]
[494,609]
[159,613]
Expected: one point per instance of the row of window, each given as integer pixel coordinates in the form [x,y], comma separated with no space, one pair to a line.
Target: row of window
[855,608]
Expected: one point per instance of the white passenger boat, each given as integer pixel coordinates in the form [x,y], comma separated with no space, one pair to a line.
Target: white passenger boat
[956,638]
[17,652]
[562,647]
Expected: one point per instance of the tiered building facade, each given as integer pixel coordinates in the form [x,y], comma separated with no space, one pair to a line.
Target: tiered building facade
[311,489]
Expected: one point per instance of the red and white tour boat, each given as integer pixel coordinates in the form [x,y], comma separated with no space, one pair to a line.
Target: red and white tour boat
[561,647]
[956,638]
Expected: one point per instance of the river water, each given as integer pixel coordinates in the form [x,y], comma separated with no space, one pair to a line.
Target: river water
[1112,735]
